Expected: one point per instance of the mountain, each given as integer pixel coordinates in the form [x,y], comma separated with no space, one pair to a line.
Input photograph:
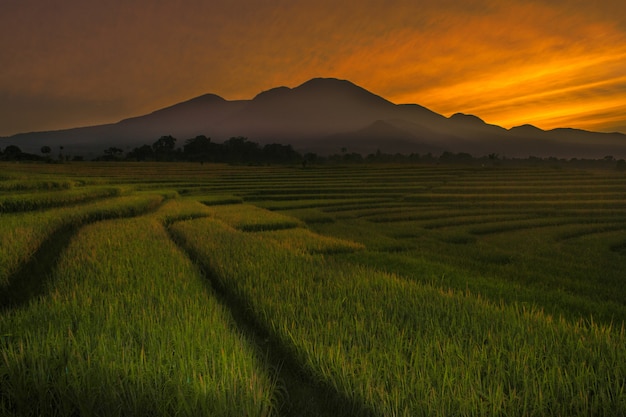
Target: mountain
[389,136]
[315,109]
[325,115]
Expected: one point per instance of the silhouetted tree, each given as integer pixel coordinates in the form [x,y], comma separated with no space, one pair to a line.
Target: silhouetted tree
[142,153]
[200,149]
[282,154]
[239,149]
[113,154]
[464,157]
[164,148]
[460,157]
[446,156]
[12,153]
[45,150]
[414,157]
[352,157]
[310,158]
[379,157]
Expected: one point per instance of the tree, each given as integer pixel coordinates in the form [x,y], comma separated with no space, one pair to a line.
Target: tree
[113,153]
[164,148]
[310,158]
[143,153]
[239,149]
[46,150]
[12,153]
[352,157]
[278,153]
[461,157]
[199,148]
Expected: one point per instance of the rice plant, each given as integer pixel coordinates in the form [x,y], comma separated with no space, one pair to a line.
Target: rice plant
[251,218]
[38,200]
[128,327]
[22,233]
[404,290]
[401,348]
[301,240]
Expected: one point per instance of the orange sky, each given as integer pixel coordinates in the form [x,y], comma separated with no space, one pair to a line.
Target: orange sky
[550,63]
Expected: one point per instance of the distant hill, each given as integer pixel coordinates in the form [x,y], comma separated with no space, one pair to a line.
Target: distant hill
[325,115]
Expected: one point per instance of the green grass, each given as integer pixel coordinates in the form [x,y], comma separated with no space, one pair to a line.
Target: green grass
[218,200]
[310,215]
[128,327]
[22,233]
[324,204]
[251,218]
[35,184]
[39,200]
[403,348]
[304,241]
[391,290]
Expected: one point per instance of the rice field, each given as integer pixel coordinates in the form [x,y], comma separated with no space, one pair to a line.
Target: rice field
[375,290]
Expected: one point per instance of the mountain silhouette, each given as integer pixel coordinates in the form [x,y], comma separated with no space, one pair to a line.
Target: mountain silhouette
[325,115]
[315,109]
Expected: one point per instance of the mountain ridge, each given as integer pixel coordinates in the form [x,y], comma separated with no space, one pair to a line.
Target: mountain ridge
[325,115]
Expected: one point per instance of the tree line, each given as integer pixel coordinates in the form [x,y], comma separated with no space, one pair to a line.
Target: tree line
[203,149]
[240,150]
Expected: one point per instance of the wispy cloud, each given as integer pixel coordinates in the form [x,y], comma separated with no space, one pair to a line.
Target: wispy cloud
[507,61]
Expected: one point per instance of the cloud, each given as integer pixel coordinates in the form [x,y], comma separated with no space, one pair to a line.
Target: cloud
[523,69]
[506,61]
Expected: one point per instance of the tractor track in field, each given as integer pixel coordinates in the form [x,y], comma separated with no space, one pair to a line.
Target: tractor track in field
[298,393]
[30,279]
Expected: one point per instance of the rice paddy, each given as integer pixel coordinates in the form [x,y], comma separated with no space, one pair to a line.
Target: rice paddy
[375,290]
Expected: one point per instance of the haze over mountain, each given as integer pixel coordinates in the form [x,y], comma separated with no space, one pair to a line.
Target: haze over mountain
[324,115]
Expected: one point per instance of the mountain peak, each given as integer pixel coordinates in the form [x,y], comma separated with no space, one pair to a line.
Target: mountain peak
[272,93]
[467,118]
[206,98]
[203,100]
[320,82]
[526,128]
[338,87]
[333,84]
[200,100]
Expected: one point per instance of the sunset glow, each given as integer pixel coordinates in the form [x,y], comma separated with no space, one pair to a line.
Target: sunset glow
[550,64]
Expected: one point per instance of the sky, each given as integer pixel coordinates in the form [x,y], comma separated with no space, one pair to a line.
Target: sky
[556,63]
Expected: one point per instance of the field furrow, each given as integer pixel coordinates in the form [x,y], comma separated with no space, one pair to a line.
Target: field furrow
[129,327]
[325,290]
[42,200]
[21,234]
[384,342]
